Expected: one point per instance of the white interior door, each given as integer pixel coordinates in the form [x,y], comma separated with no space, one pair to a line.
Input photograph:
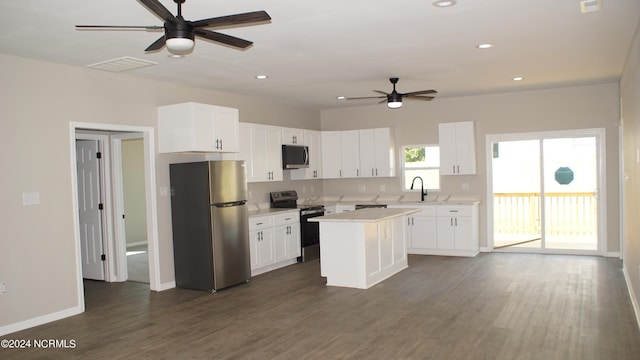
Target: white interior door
[90,215]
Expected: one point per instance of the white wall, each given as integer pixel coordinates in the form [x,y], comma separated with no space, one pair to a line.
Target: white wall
[133,187]
[579,107]
[39,100]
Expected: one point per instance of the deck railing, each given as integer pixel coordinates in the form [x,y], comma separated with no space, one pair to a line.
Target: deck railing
[567,214]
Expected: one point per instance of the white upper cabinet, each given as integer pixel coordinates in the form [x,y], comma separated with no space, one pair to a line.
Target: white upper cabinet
[350,143]
[261,148]
[331,154]
[291,136]
[194,127]
[312,139]
[457,148]
[377,153]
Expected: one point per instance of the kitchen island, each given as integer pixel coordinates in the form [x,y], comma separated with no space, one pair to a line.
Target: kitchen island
[361,248]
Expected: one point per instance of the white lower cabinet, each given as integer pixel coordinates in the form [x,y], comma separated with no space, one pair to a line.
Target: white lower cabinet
[274,241]
[450,230]
[286,236]
[458,229]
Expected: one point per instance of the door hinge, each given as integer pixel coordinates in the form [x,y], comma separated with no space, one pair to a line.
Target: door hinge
[103,257]
[98,155]
[100,206]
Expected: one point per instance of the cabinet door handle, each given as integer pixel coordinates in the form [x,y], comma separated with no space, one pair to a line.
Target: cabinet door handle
[220,144]
[372,173]
[357,172]
[408,221]
[340,172]
[376,171]
[456,221]
[458,168]
[451,221]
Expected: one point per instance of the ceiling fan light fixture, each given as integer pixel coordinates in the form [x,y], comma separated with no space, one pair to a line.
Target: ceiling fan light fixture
[394,104]
[180,46]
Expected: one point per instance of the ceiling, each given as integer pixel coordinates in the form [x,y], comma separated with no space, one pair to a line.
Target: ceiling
[314,51]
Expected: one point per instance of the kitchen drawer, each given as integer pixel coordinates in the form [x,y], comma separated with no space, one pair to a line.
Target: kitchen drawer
[455,210]
[260,222]
[289,217]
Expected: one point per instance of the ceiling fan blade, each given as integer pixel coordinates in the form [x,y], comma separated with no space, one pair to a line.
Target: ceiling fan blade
[414,97]
[229,20]
[157,8]
[224,39]
[132,27]
[421,92]
[158,44]
[381,92]
[366,97]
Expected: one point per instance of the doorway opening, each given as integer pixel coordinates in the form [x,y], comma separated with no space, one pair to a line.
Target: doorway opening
[545,192]
[112,137]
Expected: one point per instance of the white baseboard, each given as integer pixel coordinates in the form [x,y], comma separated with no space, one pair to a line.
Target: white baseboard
[19,326]
[166,286]
[634,301]
[485,249]
[613,254]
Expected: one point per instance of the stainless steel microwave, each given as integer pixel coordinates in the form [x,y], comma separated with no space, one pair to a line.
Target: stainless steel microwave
[295,156]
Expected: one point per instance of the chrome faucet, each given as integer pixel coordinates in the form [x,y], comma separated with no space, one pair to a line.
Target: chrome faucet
[423,192]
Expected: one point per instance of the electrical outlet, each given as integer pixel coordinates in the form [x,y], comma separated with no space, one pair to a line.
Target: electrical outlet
[3,288]
[361,188]
[383,187]
[465,186]
[304,189]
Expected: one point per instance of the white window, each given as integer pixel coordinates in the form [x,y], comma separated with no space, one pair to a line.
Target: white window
[422,161]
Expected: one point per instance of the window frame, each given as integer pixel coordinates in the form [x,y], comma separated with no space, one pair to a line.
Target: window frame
[404,169]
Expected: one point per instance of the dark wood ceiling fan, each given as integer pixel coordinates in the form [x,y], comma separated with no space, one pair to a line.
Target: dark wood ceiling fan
[179,34]
[394,98]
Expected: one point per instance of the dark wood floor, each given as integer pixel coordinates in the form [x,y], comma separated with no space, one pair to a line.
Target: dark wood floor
[493,306]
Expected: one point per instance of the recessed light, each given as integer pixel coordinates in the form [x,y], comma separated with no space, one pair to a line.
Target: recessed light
[484,46]
[262,77]
[518,78]
[444,3]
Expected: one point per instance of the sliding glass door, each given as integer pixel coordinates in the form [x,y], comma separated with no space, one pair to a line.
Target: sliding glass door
[545,192]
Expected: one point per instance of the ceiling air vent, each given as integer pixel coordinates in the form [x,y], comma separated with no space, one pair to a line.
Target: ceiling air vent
[587,6]
[121,64]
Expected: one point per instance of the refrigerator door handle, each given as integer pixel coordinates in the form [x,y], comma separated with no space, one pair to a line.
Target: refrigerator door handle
[228,204]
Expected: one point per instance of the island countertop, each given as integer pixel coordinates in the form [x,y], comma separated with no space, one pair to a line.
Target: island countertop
[365,215]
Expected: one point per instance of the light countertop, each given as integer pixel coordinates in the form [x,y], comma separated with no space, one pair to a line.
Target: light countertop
[268,211]
[365,215]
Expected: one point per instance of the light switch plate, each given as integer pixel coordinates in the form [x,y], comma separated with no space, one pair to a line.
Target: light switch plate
[30,198]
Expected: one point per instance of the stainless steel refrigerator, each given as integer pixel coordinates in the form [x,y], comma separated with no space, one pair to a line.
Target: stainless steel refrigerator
[210,224]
